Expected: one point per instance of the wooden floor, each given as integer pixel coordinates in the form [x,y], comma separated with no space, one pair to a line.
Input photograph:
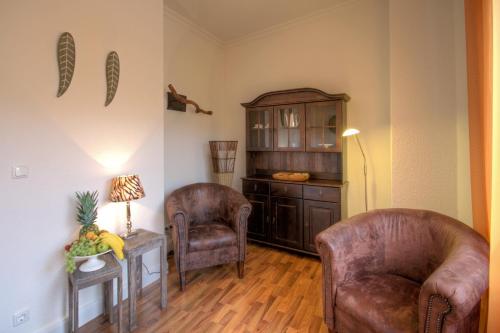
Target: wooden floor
[281,292]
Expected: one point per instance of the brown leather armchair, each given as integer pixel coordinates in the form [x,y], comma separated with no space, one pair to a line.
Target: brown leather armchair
[209,227]
[402,270]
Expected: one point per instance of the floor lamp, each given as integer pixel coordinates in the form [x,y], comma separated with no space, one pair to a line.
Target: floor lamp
[354,132]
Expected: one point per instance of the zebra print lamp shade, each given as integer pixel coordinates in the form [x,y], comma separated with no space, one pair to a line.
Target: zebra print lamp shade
[126,188]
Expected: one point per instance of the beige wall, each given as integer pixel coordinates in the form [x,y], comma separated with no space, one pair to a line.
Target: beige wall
[464,201]
[428,108]
[73,143]
[408,86]
[343,50]
[193,63]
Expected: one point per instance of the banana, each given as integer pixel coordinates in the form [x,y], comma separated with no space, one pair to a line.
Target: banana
[115,236]
[115,242]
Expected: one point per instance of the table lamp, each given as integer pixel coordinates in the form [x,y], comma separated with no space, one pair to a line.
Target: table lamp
[354,132]
[126,189]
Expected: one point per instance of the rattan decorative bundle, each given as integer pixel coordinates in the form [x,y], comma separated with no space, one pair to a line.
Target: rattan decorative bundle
[223,159]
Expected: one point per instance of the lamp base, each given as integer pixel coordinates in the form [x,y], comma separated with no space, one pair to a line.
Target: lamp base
[129,234]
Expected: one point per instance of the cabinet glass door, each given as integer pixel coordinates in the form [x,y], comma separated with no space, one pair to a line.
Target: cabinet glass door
[259,129]
[324,127]
[289,124]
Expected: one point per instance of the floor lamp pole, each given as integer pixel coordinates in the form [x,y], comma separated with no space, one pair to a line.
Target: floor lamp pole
[365,172]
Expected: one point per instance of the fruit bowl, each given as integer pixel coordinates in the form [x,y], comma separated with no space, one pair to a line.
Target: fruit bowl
[93,262]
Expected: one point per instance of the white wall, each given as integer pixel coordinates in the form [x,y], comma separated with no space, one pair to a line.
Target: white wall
[343,50]
[193,63]
[72,143]
[428,110]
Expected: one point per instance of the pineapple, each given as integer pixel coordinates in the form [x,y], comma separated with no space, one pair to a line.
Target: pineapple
[87,212]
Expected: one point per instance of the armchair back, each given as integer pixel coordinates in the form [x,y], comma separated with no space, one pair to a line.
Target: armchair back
[204,203]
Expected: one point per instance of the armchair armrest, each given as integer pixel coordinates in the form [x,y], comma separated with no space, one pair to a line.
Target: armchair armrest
[178,218]
[347,249]
[455,288]
[238,209]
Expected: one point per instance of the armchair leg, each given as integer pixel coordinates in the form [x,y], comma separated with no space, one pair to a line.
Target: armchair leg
[182,280]
[241,269]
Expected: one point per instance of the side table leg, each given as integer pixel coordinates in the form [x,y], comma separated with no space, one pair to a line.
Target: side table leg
[71,307]
[163,274]
[120,303]
[139,275]
[74,293]
[132,285]
[108,300]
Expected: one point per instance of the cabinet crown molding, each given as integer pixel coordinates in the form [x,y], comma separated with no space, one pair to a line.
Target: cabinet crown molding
[299,95]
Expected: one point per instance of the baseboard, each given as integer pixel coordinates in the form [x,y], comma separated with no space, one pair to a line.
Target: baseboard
[94,309]
[88,312]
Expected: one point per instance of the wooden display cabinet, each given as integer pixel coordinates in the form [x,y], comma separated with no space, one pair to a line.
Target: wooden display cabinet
[296,130]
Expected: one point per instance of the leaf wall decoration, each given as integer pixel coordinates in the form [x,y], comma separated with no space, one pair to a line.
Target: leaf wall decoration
[112,76]
[66,60]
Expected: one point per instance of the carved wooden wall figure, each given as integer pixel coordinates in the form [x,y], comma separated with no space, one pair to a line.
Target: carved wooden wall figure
[66,61]
[182,99]
[112,76]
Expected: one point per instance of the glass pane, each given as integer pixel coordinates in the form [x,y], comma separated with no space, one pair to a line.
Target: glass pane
[321,123]
[288,127]
[294,138]
[322,137]
[266,119]
[254,128]
[265,138]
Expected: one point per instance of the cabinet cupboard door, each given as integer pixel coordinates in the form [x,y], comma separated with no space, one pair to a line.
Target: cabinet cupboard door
[317,217]
[289,127]
[260,129]
[258,220]
[286,227]
[324,127]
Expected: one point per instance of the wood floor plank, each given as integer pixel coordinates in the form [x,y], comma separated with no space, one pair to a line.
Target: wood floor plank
[281,292]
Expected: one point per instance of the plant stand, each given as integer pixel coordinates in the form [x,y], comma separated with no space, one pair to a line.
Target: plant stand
[80,280]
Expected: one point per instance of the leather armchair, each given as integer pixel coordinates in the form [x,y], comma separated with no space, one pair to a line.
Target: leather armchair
[209,227]
[402,270]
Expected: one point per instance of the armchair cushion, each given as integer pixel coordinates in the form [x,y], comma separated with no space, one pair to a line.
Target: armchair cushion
[204,237]
[365,302]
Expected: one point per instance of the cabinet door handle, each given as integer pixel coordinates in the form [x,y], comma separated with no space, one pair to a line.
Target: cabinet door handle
[255,187]
[285,189]
[320,193]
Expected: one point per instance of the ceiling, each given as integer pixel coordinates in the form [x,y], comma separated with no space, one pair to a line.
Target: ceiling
[228,20]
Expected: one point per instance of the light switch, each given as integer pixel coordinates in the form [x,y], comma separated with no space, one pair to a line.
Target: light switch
[20,171]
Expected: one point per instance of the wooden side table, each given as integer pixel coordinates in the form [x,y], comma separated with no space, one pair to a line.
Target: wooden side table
[144,241]
[80,280]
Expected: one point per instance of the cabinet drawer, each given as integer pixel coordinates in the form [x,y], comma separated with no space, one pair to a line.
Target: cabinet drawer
[331,194]
[286,190]
[253,186]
